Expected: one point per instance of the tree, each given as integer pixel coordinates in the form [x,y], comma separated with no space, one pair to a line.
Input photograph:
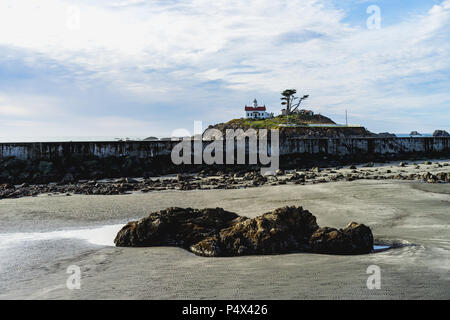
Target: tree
[289,100]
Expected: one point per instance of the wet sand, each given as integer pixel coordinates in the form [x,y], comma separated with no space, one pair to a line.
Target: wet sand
[33,263]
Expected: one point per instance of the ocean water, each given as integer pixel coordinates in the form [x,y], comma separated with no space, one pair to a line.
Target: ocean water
[407,135]
[69,138]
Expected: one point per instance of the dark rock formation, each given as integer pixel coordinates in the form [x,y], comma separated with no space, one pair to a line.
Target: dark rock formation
[174,227]
[211,178]
[284,230]
[353,239]
[216,232]
[441,133]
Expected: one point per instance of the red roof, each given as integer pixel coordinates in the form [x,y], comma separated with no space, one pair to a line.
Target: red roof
[247,108]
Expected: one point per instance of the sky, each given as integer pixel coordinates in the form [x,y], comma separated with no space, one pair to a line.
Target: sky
[139,68]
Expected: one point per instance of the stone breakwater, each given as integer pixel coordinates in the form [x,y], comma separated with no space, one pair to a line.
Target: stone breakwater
[219,233]
[69,162]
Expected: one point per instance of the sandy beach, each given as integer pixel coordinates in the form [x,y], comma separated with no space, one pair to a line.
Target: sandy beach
[40,237]
[244,151]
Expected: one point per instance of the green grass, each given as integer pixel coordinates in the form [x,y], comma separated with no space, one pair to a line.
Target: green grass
[275,122]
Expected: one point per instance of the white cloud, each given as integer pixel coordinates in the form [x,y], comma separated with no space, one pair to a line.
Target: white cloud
[195,33]
[128,3]
[28,106]
[6,110]
[158,50]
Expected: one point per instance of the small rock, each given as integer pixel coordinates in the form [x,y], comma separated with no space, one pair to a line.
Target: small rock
[7,186]
[441,133]
[131,180]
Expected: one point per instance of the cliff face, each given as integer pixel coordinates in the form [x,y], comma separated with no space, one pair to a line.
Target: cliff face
[319,132]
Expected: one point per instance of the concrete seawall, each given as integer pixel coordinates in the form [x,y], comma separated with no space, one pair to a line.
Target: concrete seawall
[153,149]
[364,145]
[72,161]
[54,150]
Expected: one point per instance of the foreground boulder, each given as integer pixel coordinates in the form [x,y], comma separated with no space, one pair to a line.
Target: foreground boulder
[219,233]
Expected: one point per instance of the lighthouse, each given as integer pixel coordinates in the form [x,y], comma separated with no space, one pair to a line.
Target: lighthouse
[256,112]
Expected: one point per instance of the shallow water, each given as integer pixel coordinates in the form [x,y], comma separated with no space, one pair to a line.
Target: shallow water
[103,236]
[377,248]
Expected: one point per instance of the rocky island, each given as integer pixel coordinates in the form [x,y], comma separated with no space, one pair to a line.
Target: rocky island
[297,126]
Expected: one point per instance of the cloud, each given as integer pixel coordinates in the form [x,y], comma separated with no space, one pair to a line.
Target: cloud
[302,36]
[15,106]
[6,110]
[128,3]
[174,62]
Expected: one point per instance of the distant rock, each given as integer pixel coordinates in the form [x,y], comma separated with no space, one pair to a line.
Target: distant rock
[216,232]
[414,133]
[386,135]
[151,139]
[298,177]
[441,133]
